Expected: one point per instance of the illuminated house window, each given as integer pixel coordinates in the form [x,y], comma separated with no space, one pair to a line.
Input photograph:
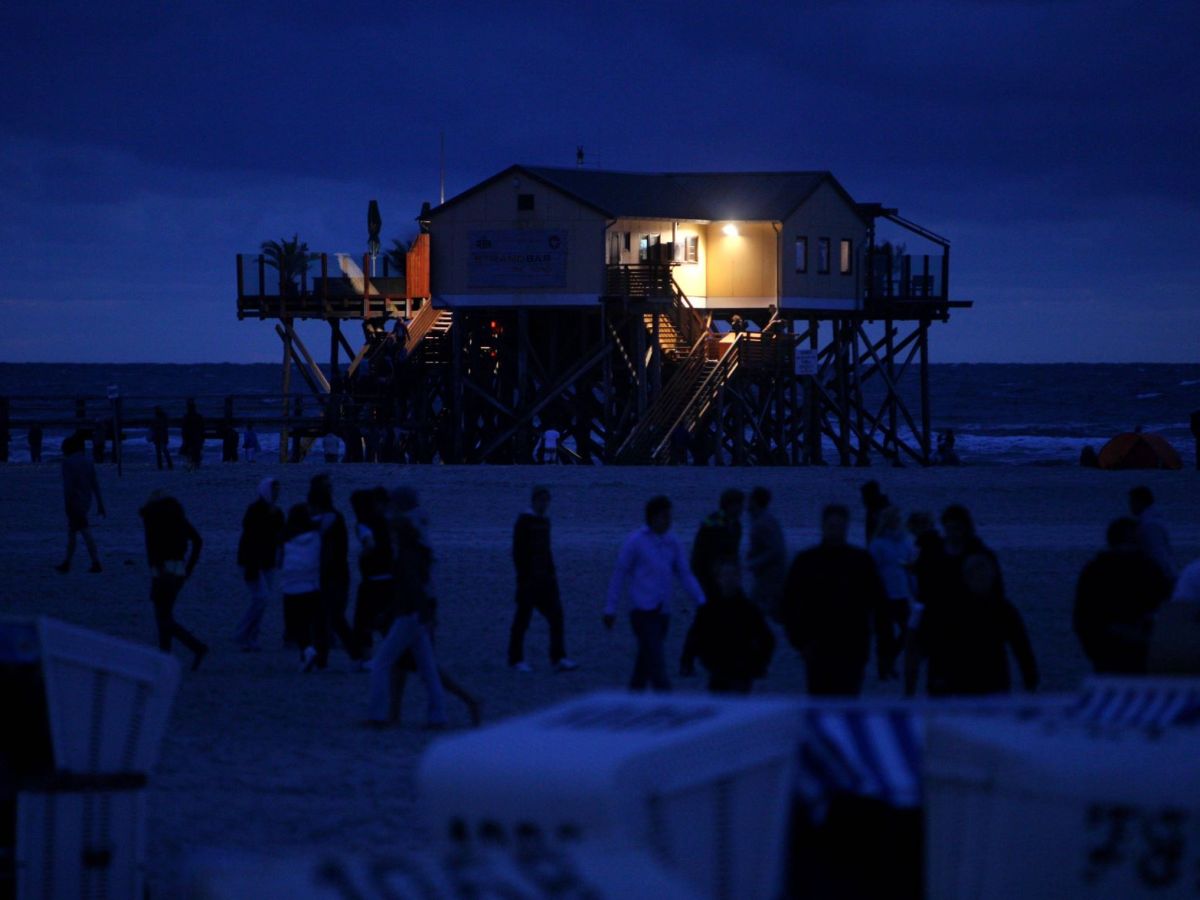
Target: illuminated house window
[691,248]
[844,256]
[801,255]
[823,256]
[524,202]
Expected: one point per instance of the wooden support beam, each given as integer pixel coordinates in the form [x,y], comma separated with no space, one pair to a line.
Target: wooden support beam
[926,449]
[287,389]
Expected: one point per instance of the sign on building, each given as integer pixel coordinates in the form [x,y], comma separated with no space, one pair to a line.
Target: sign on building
[517,259]
[806,361]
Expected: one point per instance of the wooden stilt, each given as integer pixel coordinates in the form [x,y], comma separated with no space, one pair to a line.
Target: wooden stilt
[287,389]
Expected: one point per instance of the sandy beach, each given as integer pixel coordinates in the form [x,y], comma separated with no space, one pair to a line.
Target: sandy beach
[263,759]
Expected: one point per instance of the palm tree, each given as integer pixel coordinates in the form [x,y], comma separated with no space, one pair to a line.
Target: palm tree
[397,258]
[289,258]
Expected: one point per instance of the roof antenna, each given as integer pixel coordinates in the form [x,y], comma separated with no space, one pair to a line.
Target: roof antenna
[579,156]
[441,167]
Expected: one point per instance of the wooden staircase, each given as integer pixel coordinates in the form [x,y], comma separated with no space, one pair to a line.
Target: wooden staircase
[673,344]
[684,401]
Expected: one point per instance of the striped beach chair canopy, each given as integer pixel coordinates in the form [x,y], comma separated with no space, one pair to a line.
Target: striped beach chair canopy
[1137,702]
[873,748]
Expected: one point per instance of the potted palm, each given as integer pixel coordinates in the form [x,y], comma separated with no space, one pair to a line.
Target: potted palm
[290,259]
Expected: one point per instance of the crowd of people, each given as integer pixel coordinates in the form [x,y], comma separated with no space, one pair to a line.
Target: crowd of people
[928,604]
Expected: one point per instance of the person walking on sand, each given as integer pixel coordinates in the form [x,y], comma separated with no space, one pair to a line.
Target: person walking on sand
[192,432]
[968,627]
[648,567]
[376,581]
[335,572]
[259,552]
[406,499]
[300,581]
[733,640]
[409,614]
[168,536]
[875,501]
[160,435]
[79,486]
[893,555]
[1116,597]
[537,585]
[250,442]
[1152,534]
[766,553]
[832,598]
[719,536]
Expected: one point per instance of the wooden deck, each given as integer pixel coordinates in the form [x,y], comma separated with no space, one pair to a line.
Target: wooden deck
[333,287]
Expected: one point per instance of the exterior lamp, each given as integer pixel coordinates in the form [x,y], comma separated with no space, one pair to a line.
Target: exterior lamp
[730,230]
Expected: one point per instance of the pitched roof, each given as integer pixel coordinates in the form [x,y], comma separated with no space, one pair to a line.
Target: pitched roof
[743,196]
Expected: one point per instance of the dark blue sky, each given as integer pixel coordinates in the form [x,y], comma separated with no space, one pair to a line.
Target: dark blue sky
[142,147]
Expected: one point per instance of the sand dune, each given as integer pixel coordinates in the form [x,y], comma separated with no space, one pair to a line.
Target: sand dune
[261,758]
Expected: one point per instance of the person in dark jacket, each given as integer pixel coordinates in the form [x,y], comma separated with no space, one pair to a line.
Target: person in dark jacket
[968,626]
[79,486]
[376,581]
[335,572]
[160,434]
[875,501]
[259,555]
[192,433]
[537,585]
[733,640]
[408,616]
[1115,600]
[719,537]
[168,536]
[832,600]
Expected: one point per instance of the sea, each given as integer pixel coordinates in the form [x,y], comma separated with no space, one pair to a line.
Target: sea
[1002,414]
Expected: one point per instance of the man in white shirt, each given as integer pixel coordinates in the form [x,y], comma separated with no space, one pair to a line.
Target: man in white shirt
[650,563]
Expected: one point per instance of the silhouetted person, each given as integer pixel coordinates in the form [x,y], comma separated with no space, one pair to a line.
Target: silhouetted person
[719,537]
[893,556]
[335,571]
[733,640]
[229,443]
[1152,535]
[260,551]
[831,601]
[192,432]
[537,585]
[967,628]
[946,454]
[168,536]
[35,443]
[160,435]
[766,553]
[680,439]
[79,486]
[250,442]
[1115,600]
[1196,434]
[409,616]
[874,501]
[650,563]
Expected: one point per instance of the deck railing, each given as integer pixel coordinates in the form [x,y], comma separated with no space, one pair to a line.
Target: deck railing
[907,278]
